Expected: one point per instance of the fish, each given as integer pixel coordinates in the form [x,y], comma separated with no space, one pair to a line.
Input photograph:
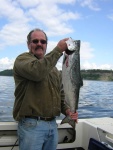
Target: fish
[71,80]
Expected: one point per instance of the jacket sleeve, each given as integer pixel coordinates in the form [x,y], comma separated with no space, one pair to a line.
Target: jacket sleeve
[29,67]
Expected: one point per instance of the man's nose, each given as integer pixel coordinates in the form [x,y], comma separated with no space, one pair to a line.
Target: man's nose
[39,43]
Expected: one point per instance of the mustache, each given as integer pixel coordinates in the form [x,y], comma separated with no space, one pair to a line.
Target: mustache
[39,47]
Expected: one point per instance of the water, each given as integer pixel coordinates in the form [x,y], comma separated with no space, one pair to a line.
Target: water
[96,99]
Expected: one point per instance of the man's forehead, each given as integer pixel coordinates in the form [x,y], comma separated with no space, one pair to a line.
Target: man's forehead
[37,33]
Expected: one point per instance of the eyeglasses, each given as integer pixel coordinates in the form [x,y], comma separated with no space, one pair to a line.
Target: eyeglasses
[35,41]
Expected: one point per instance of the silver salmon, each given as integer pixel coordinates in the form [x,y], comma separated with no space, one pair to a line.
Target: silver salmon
[71,80]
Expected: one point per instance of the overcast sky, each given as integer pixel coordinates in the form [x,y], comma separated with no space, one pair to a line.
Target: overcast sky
[90,21]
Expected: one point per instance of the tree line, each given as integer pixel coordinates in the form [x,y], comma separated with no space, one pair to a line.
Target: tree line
[91,74]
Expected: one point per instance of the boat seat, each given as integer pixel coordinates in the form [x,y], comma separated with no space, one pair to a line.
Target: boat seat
[97,145]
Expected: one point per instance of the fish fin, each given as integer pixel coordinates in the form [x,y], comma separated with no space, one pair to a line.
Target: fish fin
[68,119]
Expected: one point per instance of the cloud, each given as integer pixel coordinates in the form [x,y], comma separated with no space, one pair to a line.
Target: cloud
[6,63]
[87,65]
[34,3]
[14,21]
[11,35]
[90,4]
[55,20]
[86,51]
[22,16]
[18,17]
[51,45]
[110,17]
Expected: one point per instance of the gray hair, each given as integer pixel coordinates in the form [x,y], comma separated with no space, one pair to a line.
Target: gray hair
[37,29]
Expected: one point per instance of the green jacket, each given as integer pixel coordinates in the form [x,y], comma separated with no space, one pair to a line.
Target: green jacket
[38,89]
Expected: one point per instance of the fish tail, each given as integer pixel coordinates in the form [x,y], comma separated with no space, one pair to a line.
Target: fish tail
[68,120]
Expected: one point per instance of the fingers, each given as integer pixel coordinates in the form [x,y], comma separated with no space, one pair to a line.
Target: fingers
[62,44]
[74,116]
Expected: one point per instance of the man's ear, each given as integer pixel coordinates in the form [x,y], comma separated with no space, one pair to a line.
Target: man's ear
[28,45]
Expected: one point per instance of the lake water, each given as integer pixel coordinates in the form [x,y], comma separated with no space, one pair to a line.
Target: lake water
[96,99]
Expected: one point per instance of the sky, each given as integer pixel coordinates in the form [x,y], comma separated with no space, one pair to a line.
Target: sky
[90,21]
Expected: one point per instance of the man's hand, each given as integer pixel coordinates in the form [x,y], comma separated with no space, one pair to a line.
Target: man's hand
[74,116]
[62,44]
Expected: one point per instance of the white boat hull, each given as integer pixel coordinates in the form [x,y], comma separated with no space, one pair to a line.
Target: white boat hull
[100,129]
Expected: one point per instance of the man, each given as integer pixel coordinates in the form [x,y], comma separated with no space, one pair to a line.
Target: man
[39,97]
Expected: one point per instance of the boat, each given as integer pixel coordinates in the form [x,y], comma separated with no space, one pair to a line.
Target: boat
[87,132]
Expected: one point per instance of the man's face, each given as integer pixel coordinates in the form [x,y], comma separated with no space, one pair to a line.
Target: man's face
[38,44]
